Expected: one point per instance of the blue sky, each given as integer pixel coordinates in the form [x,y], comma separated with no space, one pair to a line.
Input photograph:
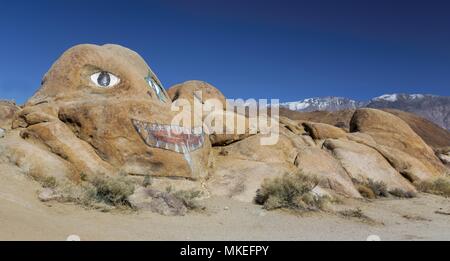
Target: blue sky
[288,50]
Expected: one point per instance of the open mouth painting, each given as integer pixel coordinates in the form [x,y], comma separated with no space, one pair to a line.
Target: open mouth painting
[170,137]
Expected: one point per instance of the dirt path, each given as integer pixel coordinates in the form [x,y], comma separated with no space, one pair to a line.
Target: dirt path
[24,217]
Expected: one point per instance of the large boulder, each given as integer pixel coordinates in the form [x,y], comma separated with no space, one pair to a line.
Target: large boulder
[35,161]
[191,90]
[103,110]
[395,136]
[240,168]
[240,179]
[7,112]
[293,126]
[208,105]
[321,131]
[317,162]
[363,163]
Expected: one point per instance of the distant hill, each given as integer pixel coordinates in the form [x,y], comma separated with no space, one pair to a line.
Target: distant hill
[432,107]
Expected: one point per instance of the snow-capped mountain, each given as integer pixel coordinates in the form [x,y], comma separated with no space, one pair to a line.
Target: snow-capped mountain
[432,107]
[323,104]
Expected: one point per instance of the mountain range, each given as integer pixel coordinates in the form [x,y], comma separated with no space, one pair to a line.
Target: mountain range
[432,107]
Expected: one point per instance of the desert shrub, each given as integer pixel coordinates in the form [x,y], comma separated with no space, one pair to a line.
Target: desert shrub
[379,188]
[47,182]
[113,191]
[83,194]
[365,191]
[439,186]
[400,193]
[147,181]
[371,189]
[189,198]
[292,191]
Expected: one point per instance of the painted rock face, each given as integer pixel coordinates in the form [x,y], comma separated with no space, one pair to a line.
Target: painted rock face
[104,110]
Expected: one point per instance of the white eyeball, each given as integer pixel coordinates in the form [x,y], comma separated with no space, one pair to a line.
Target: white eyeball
[105,79]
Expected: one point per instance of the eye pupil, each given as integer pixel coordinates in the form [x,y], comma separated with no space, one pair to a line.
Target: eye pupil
[104,79]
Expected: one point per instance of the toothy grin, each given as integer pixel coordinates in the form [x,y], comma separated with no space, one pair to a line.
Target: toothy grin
[170,137]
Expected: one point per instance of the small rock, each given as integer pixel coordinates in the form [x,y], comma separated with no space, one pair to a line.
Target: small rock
[2,133]
[156,201]
[445,158]
[226,208]
[48,195]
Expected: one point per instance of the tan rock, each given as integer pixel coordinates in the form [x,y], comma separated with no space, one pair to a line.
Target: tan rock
[284,151]
[208,105]
[295,127]
[240,168]
[125,125]
[393,133]
[363,163]
[410,167]
[157,201]
[317,162]
[321,131]
[7,112]
[34,159]
[200,90]
[240,179]
[445,158]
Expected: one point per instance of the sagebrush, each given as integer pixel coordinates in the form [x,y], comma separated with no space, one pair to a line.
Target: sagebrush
[292,191]
[439,186]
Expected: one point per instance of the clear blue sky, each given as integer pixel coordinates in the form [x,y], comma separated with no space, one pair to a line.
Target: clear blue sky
[248,49]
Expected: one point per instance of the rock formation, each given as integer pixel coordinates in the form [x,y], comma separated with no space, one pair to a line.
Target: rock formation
[102,111]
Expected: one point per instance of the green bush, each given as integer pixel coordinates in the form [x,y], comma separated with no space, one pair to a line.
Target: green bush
[292,191]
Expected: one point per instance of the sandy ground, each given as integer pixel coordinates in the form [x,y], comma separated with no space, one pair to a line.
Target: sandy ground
[24,217]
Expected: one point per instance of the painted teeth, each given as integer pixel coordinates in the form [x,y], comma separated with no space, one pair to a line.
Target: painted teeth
[170,137]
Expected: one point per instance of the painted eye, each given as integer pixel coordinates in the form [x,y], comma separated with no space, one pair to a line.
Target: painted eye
[105,79]
[157,88]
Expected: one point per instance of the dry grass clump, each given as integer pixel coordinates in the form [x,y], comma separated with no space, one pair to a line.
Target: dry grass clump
[189,198]
[113,191]
[292,191]
[371,189]
[46,181]
[439,186]
[356,214]
[110,191]
[365,191]
[379,188]
[400,193]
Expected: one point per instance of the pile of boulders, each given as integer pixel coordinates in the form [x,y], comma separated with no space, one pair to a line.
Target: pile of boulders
[102,111]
